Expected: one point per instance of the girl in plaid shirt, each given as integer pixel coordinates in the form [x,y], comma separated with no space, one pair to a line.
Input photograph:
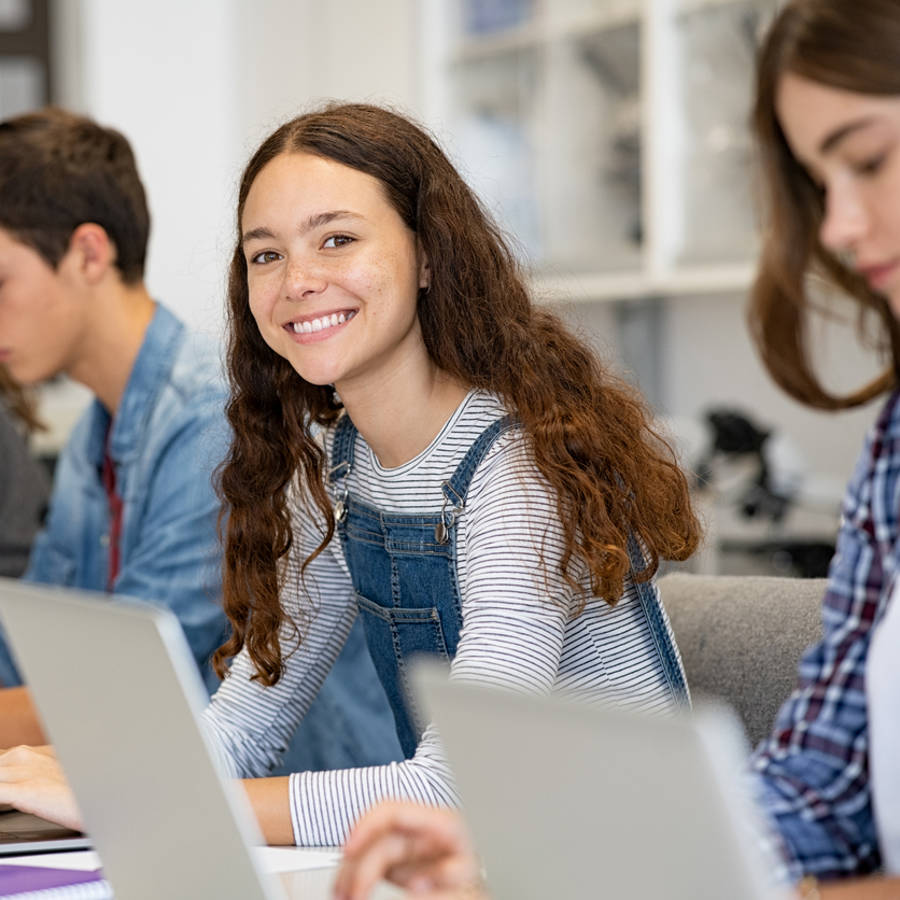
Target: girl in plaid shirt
[827,122]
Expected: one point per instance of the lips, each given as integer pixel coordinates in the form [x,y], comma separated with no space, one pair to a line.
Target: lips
[879,274]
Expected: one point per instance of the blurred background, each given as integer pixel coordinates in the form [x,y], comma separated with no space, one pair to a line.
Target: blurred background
[609,137]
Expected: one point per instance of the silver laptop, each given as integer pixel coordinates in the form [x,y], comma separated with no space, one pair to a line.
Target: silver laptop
[23,833]
[568,800]
[119,696]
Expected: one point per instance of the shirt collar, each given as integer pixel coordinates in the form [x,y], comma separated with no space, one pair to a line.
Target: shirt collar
[147,376]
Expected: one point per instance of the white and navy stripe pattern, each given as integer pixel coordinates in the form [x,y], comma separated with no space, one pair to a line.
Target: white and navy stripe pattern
[517,629]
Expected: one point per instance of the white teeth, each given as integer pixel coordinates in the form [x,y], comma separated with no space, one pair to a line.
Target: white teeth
[331,321]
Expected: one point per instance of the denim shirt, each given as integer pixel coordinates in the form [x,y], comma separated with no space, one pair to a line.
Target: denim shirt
[167,437]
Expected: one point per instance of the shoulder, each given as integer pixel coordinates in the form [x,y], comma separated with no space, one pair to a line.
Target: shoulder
[879,458]
[196,369]
[887,423]
[191,393]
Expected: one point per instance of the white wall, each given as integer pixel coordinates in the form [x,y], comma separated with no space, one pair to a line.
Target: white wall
[163,73]
[710,360]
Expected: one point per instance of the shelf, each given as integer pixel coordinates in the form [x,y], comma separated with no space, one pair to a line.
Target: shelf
[500,43]
[690,7]
[609,137]
[579,24]
[609,287]
[535,33]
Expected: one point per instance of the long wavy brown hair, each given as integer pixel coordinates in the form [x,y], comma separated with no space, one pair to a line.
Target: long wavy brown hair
[851,45]
[589,432]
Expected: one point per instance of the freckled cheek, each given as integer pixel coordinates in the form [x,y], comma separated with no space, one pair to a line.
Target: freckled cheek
[382,282]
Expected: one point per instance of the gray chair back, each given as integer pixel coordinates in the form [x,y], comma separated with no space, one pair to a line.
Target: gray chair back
[741,638]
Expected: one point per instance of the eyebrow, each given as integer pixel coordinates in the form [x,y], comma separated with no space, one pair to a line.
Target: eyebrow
[316,220]
[831,140]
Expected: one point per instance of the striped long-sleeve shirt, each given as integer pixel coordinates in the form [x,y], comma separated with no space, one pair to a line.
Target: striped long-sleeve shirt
[811,775]
[517,628]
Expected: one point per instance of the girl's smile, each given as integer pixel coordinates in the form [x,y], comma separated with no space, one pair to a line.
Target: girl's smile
[320,327]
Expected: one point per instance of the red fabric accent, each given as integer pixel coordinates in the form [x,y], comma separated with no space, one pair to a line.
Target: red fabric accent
[115,514]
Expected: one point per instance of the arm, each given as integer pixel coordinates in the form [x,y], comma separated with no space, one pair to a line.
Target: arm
[862,889]
[811,774]
[19,721]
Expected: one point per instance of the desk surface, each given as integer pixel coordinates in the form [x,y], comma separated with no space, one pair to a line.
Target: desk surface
[306,873]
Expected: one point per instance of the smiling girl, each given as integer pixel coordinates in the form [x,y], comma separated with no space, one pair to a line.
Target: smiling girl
[416,444]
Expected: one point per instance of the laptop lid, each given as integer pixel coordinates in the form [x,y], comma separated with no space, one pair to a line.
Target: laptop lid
[119,696]
[568,800]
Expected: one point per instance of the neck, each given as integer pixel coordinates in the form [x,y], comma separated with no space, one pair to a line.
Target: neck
[120,316]
[401,414]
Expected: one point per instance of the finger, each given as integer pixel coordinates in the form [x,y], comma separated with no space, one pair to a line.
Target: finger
[358,875]
[458,869]
[383,818]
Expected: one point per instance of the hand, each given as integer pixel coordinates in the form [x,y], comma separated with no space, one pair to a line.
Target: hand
[423,849]
[32,780]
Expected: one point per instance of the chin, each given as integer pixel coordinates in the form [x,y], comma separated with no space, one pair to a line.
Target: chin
[317,378]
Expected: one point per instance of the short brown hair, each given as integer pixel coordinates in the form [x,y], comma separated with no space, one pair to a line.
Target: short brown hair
[59,170]
[850,45]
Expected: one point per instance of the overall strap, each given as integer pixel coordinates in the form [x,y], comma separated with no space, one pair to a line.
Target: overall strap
[456,488]
[659,630]
[342,449]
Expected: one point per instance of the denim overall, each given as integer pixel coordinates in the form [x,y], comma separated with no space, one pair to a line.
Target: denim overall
[403,568]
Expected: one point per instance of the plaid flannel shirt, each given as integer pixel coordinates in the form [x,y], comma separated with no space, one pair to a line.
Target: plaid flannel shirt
[811,775]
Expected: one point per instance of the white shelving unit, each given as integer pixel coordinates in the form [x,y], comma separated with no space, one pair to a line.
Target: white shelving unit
[609,136]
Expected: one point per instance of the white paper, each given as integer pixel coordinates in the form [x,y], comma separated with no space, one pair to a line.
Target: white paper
[295,859]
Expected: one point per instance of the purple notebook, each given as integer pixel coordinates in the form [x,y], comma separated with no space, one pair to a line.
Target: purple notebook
[15,879]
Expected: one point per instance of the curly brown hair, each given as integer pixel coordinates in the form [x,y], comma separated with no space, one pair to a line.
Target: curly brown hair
[589,432]
[846,44]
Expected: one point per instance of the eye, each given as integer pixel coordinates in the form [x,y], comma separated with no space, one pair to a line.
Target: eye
[264,257]
[872,165]
[337,240]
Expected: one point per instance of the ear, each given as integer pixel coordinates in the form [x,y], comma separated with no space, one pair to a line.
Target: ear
[91,253]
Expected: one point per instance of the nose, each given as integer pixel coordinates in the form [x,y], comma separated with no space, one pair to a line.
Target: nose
[303,279]
[846,219]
